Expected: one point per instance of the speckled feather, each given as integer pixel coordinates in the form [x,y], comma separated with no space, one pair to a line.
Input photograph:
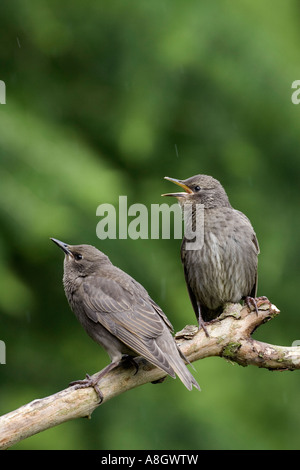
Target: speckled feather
[225,269]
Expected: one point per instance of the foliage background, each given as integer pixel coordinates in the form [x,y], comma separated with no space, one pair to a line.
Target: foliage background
[105,99]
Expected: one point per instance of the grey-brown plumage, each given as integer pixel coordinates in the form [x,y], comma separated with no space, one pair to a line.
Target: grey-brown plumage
[224,269]
[118,313]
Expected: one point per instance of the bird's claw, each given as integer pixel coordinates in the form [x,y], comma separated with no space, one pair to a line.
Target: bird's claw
[88,382]
[202,324]
[133,362]
[256,302]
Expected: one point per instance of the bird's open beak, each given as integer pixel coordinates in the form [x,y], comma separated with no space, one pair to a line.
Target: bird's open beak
[181,184]
[62,245]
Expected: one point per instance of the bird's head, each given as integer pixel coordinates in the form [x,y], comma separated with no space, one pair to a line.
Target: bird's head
[202,189]
[81,260]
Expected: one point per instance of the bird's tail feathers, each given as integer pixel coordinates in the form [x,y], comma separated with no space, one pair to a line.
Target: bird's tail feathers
[176,360]
[184,374]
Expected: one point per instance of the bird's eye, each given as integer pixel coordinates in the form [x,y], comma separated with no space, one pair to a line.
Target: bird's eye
[197,188]
[77,256]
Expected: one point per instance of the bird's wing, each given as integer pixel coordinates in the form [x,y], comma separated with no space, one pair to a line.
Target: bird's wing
[248,223]
[156,307]
[187,280]
[131,317]
[254,288]
[191,294]
[254,240]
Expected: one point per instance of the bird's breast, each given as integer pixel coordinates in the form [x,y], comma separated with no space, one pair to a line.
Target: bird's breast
[218,272]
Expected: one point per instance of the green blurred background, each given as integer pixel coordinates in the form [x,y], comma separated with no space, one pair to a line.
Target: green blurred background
[105,99]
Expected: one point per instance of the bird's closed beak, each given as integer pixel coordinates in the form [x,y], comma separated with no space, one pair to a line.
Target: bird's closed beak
[62,245]
[179,183]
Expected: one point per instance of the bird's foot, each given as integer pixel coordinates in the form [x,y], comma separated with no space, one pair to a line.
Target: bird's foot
[202,324]
[133,362]
[93,381]
[88,382]
[256,302]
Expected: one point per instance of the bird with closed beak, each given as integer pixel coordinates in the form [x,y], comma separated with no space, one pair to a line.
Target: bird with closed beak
[224,268]
[118,313]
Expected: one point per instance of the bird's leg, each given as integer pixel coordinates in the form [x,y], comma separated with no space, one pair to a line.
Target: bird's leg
[256,302]
[133,362]
[201,322]
[93,381]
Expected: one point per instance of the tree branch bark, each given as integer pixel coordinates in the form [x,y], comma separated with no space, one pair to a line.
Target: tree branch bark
[229,337]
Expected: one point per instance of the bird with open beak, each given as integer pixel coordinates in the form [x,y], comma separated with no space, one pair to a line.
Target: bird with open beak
[224,269]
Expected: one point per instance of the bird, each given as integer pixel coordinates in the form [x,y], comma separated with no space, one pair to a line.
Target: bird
[222,266]
[118,313]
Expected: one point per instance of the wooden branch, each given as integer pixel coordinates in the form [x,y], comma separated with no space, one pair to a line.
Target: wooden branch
[229,337]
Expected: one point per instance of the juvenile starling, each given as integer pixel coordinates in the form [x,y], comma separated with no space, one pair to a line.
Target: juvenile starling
[224,268]
[118,313]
